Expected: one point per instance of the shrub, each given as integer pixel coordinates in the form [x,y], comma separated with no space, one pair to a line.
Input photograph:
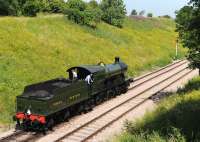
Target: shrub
[81,13]
[56,6]
[113,12]
[93,4]
[142,13]
[4,7]
[75,11]
[134,12]
[166,16]
[31,8]
[9,7]
[149,15]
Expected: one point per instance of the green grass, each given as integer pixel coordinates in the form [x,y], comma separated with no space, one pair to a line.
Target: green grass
[176,119]
[41,48]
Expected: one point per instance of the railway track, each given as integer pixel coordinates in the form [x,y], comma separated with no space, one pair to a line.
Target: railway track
[96,125]
[138,82]
[21,136]
[12,136]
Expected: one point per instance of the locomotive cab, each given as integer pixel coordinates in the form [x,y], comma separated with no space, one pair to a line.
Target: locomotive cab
[81,73]
[84,71]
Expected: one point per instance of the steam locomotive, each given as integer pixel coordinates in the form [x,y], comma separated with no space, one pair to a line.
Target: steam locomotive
[42,105]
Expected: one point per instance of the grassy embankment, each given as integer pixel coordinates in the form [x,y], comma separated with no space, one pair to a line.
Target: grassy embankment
[37,49]
[175,120]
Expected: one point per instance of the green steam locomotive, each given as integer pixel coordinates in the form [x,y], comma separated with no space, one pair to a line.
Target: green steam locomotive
[43,105]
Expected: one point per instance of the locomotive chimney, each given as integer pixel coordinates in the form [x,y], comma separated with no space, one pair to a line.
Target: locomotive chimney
[117,59]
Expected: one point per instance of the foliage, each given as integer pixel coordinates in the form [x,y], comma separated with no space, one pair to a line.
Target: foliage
[30,7]
[188,22]
[153,137]
[76,11]
[93,4]
[141,13]
[83,13]
[41,48]
[166,16]
[150,15]
[175,119]
[56,6]
[114,12]
[4,7]
[9,7]
[191,86]
[91,13]
[133,12]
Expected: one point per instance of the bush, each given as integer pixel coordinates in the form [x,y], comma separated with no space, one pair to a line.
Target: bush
[76,4]
[4,7]
[149,15]
[113,12]
[31,8]
[141,13]
[166,16]
[134,12]
[75,11]
[9,7]
[93,4]
[56,6]
[81,13]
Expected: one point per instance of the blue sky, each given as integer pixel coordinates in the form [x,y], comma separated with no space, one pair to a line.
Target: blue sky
[157,7]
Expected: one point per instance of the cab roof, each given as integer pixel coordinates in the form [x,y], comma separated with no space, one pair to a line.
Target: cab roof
[89,68]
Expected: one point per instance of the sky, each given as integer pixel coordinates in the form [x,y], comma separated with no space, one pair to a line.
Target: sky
[157,7]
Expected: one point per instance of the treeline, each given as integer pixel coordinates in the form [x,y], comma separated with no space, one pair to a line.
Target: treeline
[79,11]
[111,11]
[134,12]
[30,7]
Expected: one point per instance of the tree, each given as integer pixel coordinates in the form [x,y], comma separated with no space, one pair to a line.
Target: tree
[4,7]
[56,6]
[150,15]
[9,7]
[142,13]
[75,11]
[93,4]
[94,8]
[166,16]
[114,12]
[92,17]
[80,12]
[133,12]
[31,7]
[188,26]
